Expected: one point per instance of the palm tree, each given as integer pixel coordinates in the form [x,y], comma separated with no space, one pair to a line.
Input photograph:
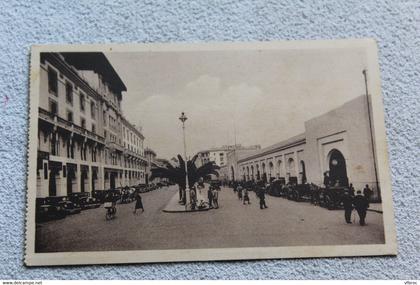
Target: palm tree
[176,174]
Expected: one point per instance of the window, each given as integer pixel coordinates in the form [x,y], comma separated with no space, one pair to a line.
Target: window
[69,93]
[52,81]
[92,109]
[82,102]
[93,129]
[70,116]
[104,116]
[45,171]
[83,123]
[53,107]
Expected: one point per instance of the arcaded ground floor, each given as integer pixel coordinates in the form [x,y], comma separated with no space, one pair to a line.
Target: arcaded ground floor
[283,223]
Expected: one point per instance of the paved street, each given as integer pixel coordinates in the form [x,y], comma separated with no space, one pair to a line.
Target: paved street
[284,223]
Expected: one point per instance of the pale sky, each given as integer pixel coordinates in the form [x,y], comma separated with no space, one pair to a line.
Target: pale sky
[266,95]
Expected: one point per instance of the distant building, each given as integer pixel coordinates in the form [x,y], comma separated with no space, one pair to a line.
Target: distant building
[150,155]
[338,142]
[81,147]
[219,154]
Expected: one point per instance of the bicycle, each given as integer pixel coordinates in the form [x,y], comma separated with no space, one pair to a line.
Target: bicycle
[111,210]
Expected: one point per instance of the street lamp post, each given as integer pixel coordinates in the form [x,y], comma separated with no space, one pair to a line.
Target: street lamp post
[183,118]
[371,135]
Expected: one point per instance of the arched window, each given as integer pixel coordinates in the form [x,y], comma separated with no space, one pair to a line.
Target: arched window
[279,169]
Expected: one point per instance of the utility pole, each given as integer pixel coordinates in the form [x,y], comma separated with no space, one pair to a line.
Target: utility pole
[371,134]
[183,118]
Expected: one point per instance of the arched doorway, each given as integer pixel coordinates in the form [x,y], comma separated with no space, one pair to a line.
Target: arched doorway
[232,172]
[279,169]
[302,172]
[290,170]
[270,171]
[338,169]
[257,167]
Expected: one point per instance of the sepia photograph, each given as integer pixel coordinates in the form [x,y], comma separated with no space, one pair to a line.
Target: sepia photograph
[215,151]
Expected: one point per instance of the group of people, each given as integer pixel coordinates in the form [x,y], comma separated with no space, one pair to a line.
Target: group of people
[243,194]
[359,202]
[113,197]
[213,195]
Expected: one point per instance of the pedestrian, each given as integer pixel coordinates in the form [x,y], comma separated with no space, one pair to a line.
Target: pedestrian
[246,196]
[367,192]
[261,195]
[193,197]
[348,206]
[351,189]
[361,205]
[210,196]
[239,193]
[326,180]
[215,195]
[139,203]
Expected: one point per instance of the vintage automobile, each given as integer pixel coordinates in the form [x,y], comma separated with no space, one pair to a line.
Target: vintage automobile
[100,195]
[70,207]
[62,201]
[276,187]
[127,195]
[46,212]
[300,192]
[83,200]
[331,198]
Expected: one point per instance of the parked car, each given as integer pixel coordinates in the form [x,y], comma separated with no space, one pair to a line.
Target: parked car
[89,203]
[70,208]
[83,200]
[100,195]
[277,187]
[331,197]
[127,195]
[46,212]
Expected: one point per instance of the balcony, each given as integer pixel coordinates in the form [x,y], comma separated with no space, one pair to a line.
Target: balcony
[114,145]
[69,126]
[133,154]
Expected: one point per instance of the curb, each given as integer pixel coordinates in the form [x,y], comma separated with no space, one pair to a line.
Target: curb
[186,211]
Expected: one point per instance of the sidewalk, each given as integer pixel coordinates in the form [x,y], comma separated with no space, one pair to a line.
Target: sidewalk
[173,205]
[375,207]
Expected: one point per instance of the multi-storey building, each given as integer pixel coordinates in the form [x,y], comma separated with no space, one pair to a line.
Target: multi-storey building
[219,154]
[150,156]
[81,146]
[135,163]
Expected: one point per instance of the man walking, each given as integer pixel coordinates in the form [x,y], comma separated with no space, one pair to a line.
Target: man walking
[139,203]
[361,204]
[210,196]
[215,195]
[348,206]
[261,195]
[367,192]
[246,196]
[240,189]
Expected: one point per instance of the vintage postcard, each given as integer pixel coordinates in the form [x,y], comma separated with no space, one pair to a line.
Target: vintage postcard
[197,152]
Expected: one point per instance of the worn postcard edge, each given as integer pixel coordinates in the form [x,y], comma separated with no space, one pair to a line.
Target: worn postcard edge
[146,256]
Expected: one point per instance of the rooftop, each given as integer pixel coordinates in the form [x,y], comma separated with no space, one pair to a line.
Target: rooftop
[298,139]
[97,62]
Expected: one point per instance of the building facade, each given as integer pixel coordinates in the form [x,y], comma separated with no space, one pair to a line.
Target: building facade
[220,154]
[338,142]
[81,144]
[150,156]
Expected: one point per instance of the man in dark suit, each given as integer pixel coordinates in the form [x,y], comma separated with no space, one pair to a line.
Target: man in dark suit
[361,205]
[348,206]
